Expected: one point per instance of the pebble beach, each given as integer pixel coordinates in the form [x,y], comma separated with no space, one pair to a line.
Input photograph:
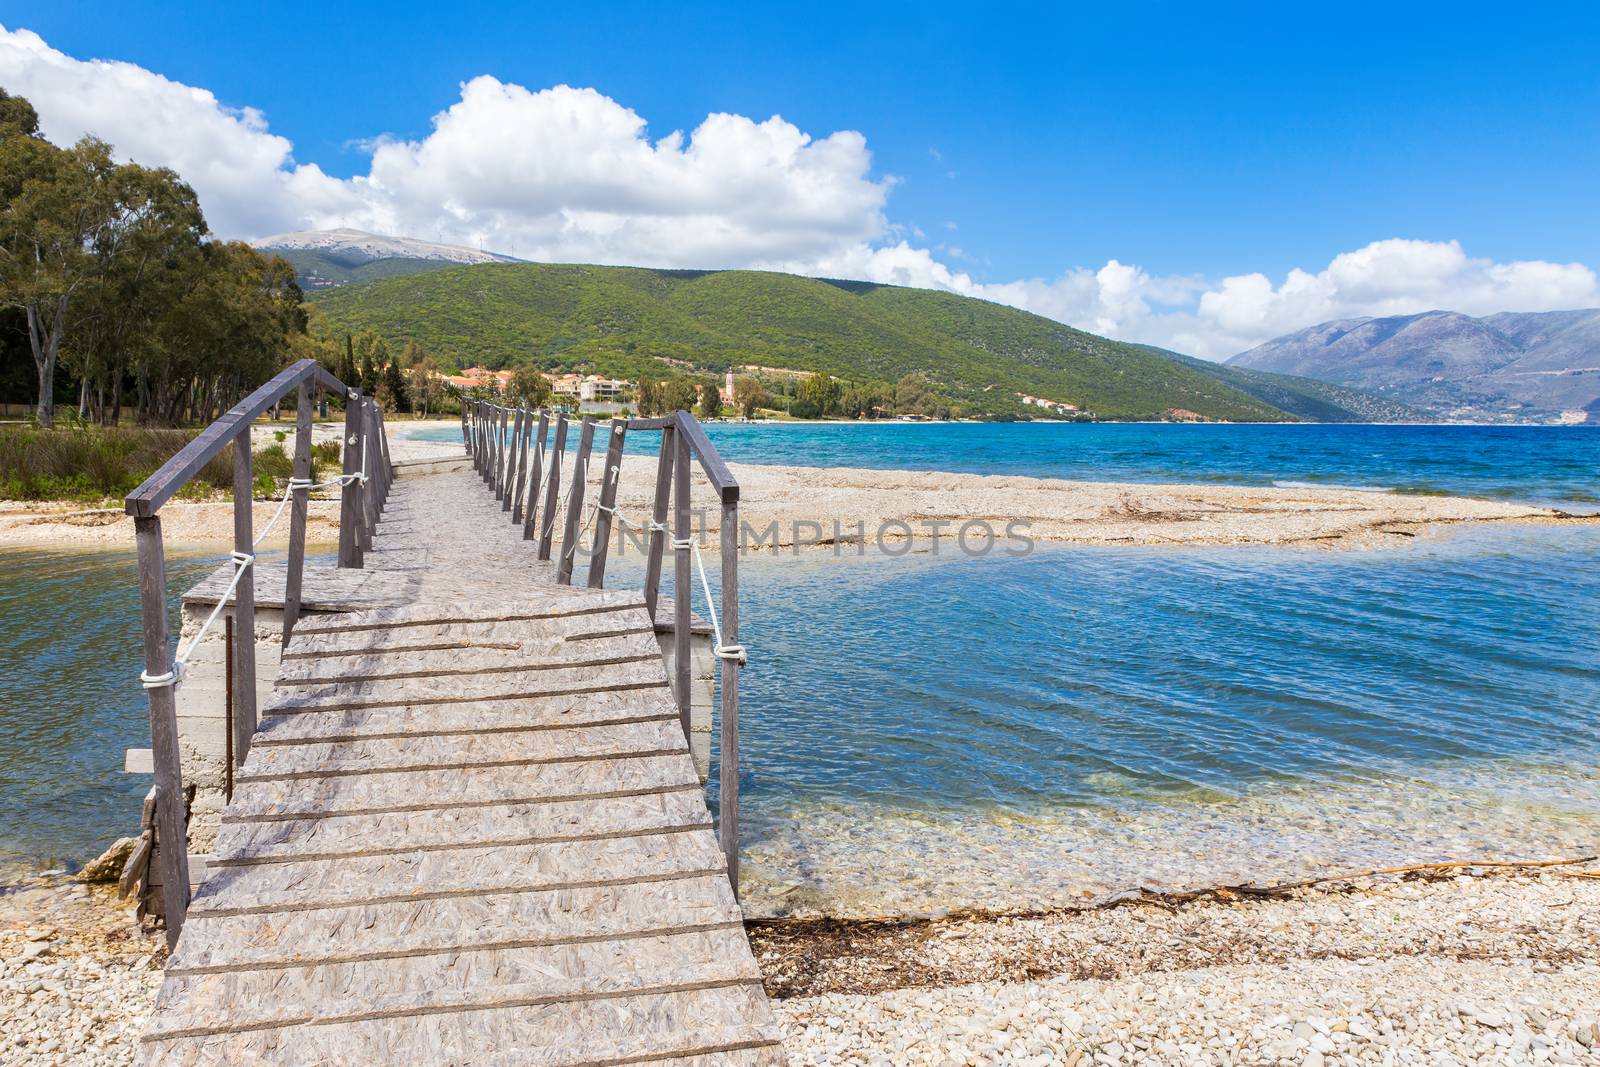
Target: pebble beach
[1479,967]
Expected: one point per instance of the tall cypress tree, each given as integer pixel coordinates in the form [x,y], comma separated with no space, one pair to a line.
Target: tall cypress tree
[347,369]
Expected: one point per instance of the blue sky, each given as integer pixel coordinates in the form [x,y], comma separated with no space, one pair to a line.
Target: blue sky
[1010,143]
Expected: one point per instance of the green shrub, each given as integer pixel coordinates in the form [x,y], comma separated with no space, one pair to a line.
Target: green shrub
[274,462]
[91,464]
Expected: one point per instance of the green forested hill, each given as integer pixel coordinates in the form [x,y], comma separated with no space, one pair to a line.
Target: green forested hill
[629,321]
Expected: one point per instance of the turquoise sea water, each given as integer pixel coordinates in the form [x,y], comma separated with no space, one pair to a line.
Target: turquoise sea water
[923,732]
[1558,464]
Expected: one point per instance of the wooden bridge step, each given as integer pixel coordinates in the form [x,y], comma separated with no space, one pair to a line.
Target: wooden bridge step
[362,668]
[663,1028]
[372,989]
[543,634]
[449,925]
[429,790]
[551,603]
[562,745]
[401,691]
[468,716]
[424,875]
[347,835]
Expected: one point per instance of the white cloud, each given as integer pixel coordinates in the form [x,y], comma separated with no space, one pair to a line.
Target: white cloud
[562,173]
[568,174]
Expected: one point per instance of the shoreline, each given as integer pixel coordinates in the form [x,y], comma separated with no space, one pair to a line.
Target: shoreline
[1476,963]
[889,507]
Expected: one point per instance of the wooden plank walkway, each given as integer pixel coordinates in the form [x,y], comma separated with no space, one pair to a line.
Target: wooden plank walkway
[469,831]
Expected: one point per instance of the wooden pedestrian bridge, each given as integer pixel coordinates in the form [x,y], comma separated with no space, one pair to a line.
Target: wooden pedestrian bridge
[466,828]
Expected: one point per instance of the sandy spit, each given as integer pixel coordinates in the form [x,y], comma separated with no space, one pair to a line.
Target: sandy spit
[788,507]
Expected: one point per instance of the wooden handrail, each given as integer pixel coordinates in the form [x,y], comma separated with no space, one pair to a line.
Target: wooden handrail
[484,434]
[175,473]
[721,478]
[365,449]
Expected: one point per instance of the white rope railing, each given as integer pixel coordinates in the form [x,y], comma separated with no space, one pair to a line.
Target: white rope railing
[732,652]
[241,562]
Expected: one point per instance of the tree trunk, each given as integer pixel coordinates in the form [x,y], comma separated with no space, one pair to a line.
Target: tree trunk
[116,400]
[44,360]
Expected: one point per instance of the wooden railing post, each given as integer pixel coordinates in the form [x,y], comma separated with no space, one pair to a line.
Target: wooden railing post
[500,453]
[580,471]
[350,492]
[371,491]
[299,502]
[466,440]
[172,835]
[728,750]
[244,601]
[610,475]
[496,429]
[508,501]
[547,526]
[658,519]
[520,489]
[481,418]
[535,472]
[682,580]
[383,450]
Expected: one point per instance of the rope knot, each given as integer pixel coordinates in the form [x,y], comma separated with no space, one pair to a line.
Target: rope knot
[733,652]
[681,544]
[161,681]
[241,559]
[301,483]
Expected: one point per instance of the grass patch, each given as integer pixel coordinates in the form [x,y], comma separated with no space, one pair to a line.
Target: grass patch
[95,464]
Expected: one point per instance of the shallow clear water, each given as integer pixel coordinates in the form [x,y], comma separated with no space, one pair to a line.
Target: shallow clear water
[1088,719]
[1558,464]
[70,699]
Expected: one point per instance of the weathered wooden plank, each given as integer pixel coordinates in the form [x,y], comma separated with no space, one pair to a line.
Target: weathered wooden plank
[371,756]
[461,658]
[571,626]
[634,1029]
[548,605]
[187,1002]
[343,835]
[402,691]
[468,716]
[479,922]
[415,648]
[329,589]
[428,790]
[433,874]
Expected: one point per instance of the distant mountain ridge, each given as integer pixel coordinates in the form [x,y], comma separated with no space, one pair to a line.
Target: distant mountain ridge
[1304,398]
[1511,365]
[327,258]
